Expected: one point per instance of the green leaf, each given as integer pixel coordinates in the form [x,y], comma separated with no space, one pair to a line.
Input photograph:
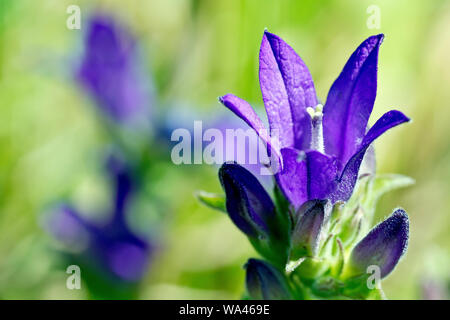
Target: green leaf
[337,269]
[212,200]
[388,182]
[380,185]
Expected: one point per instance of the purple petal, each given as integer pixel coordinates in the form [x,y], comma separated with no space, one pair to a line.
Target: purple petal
[306,176]
[246,152]
[245,111]
[349,175]
[383,246]
[287,90]
[264,282]
[350,101]
[248,204]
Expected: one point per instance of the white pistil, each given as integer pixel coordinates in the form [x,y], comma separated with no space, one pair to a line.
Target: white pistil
[316,127]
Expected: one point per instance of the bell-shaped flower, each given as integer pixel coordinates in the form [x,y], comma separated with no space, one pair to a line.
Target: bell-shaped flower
[320,148]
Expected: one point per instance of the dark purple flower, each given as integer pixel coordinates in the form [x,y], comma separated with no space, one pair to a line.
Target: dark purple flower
[319,148]
[248,204]
[109,71]
[265,282]
[111,249]
[383,246]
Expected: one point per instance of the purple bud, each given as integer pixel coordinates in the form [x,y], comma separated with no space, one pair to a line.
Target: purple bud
[383,246]
[308,225]
[264,282]
[248,204]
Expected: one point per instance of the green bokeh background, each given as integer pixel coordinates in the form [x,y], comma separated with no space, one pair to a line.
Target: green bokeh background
[196,51]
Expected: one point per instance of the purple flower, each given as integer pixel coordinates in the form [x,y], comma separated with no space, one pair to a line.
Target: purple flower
[254,213]
[109,71]
[111,249]
[383,246]
[248,204]
[320,149]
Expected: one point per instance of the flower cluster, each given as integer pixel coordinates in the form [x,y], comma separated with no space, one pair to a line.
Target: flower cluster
[314,229]
[113,257]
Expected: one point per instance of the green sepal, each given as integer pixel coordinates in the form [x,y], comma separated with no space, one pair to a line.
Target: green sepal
[327,287]
[357,288]
[274,250]
[382,184]
[311,268]
[212,200]
[340,257]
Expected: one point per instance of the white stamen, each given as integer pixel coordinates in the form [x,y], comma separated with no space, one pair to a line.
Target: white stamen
[311,112]
[316,130]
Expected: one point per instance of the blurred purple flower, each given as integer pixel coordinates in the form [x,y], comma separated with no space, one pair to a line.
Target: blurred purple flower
[109,71]
[111,249]
[320,152]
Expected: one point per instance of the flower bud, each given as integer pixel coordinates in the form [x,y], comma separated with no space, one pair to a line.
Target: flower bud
[248,204]
[264,282]
[383,246]
[308,225]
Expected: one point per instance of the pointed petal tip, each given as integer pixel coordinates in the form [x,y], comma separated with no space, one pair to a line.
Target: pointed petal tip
[268,34]
[400,115]
[225,98]
[375,40]
[379,37]
[271,37]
